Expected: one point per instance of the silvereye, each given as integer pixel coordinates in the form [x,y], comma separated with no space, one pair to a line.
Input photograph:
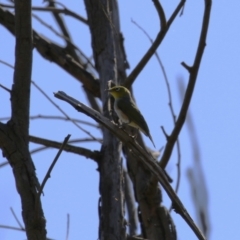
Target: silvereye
[127,110]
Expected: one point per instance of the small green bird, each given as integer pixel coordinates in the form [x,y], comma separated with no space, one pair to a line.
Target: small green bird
[127,110]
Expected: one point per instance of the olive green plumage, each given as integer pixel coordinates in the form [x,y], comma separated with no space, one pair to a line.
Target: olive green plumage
[127,110]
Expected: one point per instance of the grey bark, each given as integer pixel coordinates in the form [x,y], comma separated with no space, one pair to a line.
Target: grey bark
[104,27]
[14,134]
[111,63]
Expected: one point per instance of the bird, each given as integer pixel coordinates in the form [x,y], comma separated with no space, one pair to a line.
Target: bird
[127,110]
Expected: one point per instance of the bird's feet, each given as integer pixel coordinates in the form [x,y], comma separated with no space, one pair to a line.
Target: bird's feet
[134,137]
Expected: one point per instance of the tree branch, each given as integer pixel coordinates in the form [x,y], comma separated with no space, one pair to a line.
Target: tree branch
[56,54]
[148,161]
[94,155]
[133,75]
[65,11]
[69,45]
[171,109]
[47,176]
[190,88]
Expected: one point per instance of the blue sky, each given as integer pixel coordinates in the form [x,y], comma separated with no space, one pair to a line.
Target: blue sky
[73,186]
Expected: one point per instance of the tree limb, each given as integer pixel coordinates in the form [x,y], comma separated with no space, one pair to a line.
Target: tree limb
[56,54]
[65,11]
[94,155]
[142,63]
[14,134]
[190,88]
[144,156]
[47,176]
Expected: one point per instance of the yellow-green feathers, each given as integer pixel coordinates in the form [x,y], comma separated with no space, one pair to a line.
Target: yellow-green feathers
[127,110]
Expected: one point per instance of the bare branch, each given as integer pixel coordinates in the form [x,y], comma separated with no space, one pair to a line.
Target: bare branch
[57,54]
[65,114]
[12,228]
[14,134]
[68,41]
[161,13]
[69,45]
[195,174]
[3,164]
[68,226]
[171,109]
[133,75]
[52,9]
[17,220]
[164,132]
[6,63]
[52,165]
[54,53]
[71,50]
[94,155]
[60,118]
[189,69]
[148,161]
[191,84]
[5,88]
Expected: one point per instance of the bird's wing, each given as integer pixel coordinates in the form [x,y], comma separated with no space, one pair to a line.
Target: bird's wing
[129,108]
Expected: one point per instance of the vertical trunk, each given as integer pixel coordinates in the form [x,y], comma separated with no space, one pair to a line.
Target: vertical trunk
[16,135]
[104,27]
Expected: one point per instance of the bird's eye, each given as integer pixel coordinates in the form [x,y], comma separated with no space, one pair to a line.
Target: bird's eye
[117,89]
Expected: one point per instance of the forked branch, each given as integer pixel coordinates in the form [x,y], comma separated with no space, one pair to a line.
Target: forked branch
[190,88]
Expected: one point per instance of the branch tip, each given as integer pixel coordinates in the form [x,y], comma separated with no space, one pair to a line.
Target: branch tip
[188,68]
[165,134]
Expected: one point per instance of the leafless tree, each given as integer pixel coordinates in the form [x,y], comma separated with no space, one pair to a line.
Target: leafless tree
[110,63]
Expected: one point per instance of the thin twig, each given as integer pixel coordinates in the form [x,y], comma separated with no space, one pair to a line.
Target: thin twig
[15,216]
[54,53]
[68,226]
[170,106]
[188,68]
[39,116]
[62,118]
[164,133]
[9,65]
[5,88]
[61,24]
[142,63]
[51,9]
[56,32]
[195,173]
[190,88]
[52,165]
[94,155]
[4,164]
[71,47]
[6,63]
[65,114]
[12,228]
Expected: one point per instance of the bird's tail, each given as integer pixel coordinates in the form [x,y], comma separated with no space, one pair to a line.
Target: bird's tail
[150,137]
